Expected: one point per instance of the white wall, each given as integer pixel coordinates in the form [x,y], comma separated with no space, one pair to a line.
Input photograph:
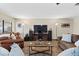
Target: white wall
[51,25]
[7,18]
[76,25]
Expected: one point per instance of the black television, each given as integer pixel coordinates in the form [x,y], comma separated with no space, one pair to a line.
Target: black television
[40,28]
[37,28]
[44,28]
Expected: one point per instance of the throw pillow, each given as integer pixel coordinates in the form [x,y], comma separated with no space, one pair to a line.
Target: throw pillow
[16,50]
[13,36]
[3,52]
[77,43]
[67,37]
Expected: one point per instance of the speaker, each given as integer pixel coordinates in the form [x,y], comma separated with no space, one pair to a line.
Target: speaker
[49,35]
[30,35]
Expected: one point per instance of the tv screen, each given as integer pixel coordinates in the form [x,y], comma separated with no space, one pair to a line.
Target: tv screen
[37,28]
[40,28]
[44,28]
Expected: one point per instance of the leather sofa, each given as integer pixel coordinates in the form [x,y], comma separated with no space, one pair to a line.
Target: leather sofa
[65,45]
[6,42]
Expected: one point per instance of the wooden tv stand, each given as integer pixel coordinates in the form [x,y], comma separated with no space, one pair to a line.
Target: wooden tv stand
[41,36]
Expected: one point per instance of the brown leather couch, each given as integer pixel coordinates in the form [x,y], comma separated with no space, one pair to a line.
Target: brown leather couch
[6,42]
[65,45]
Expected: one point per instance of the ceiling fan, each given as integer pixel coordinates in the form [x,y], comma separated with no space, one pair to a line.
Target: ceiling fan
[57,3]
[77,4]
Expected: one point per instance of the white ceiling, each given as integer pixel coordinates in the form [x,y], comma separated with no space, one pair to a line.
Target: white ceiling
[40,10]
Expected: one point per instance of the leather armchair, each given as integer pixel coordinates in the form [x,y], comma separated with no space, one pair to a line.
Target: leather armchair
[65,45]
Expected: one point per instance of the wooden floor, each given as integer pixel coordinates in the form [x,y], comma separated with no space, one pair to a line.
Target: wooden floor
[55,50]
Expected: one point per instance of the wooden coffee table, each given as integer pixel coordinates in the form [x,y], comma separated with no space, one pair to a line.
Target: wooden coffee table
[39,45]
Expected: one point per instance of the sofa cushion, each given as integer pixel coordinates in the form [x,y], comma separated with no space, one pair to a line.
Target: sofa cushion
[16,50]
[3,52]
[13,37]
[5,35]
[4,38]
[67,52]
[77,43]
[6,44]
[66,37]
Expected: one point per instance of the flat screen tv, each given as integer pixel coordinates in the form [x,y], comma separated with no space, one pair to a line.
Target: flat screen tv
[40,28]
[37,28]
[44,28]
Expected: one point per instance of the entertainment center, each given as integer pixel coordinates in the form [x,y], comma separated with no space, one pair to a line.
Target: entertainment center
[40,33]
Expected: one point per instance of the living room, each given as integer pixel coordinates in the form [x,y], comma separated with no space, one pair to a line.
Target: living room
[38,29]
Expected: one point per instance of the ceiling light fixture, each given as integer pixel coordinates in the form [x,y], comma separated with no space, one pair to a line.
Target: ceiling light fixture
[57,3]
[77,4]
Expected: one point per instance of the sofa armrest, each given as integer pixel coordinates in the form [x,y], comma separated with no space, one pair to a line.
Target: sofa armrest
[65,45]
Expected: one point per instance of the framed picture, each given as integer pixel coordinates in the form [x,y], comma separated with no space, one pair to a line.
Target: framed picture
[19,25]
[65,25]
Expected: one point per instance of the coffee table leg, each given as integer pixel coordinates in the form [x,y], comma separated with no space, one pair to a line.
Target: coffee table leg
[51,50]
[29,50]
